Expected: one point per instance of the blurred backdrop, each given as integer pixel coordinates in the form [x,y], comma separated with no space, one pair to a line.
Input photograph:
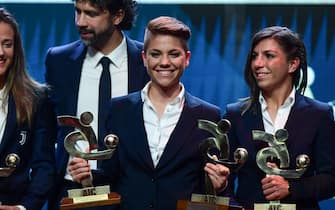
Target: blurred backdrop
[220,40]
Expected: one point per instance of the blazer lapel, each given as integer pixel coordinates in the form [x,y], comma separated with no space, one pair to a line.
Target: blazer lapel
[181,133]
[138,133]
[296,114]
[11,125]
[255,122]
[74,65]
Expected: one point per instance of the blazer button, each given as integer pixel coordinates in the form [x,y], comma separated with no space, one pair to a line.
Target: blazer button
[153,179]
[151,205]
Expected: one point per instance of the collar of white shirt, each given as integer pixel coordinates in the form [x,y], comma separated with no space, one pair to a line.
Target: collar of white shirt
[289,101]
[179,99]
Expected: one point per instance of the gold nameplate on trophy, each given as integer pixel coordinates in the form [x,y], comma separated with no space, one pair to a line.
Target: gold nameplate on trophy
[277,149]
[274,206]
[89,195]
[206,202]
[210,199]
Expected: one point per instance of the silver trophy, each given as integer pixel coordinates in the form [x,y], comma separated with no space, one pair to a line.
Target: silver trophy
[12,160]
[84,132]
[277,149]
[218,144]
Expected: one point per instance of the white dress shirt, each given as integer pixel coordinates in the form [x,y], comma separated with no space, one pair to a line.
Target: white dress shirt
[282,114]
[88,95]
[3,112]
[159,130]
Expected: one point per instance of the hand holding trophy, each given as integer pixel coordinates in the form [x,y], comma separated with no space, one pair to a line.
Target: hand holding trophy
[216,150]
[89,195]
[277,149]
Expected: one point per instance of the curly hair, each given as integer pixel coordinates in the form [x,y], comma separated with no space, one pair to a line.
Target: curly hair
[113,6]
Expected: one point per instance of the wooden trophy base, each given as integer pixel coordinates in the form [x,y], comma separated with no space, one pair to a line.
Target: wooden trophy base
[70,203]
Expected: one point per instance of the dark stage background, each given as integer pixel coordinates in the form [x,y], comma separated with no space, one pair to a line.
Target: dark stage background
[219,43]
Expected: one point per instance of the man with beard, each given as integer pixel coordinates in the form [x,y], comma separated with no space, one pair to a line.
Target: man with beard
[74,71]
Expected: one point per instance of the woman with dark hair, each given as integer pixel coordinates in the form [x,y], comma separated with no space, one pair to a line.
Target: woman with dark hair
[27,127]
[276,73]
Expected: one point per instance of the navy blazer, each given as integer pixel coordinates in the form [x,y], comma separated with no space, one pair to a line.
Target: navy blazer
[63,71]
[311,129]
[180,170]
[33,177]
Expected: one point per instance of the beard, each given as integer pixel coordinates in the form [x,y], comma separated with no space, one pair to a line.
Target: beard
[98,39]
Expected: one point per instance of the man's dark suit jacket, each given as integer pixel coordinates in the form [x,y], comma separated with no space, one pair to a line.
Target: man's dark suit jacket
[180,170]
[63,71]
[33,177]
[311,131]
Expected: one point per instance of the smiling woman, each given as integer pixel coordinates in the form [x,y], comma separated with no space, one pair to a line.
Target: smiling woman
[276,58]
[28,126]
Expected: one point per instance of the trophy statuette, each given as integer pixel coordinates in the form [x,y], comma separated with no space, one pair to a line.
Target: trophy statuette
[89,195]
[12,160]
[218,144]
[277,149]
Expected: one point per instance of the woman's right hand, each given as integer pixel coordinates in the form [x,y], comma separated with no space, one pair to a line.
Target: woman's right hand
[79,169]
